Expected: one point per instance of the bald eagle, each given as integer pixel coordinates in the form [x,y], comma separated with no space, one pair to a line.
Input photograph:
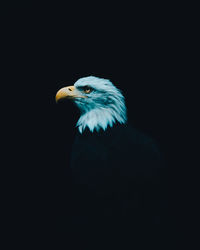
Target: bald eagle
[119,180]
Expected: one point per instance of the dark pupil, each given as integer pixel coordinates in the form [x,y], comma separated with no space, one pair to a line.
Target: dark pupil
[86,88]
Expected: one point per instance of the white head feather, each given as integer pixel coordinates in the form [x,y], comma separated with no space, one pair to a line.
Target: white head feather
[104,106]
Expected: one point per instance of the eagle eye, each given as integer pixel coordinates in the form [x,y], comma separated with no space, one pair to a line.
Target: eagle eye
[87,89]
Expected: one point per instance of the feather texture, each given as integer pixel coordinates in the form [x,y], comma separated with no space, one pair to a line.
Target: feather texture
[104,106]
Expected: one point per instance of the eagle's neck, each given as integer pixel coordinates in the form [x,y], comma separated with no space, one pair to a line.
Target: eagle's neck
[98,118]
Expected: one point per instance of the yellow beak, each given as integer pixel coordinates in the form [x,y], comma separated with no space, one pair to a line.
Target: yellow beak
[69,92]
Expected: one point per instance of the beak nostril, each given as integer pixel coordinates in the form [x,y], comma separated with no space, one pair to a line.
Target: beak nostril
[70,89]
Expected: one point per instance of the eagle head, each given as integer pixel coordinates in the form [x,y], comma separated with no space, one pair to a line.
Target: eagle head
[101,104]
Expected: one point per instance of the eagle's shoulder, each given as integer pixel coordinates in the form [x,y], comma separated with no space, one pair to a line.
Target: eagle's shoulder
[128,137]
[120,141]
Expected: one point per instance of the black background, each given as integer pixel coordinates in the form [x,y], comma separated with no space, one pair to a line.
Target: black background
[45,47]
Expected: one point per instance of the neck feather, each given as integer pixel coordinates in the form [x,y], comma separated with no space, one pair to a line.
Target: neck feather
[101,118]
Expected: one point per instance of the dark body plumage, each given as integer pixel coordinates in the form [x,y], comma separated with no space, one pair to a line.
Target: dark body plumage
[118,190]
